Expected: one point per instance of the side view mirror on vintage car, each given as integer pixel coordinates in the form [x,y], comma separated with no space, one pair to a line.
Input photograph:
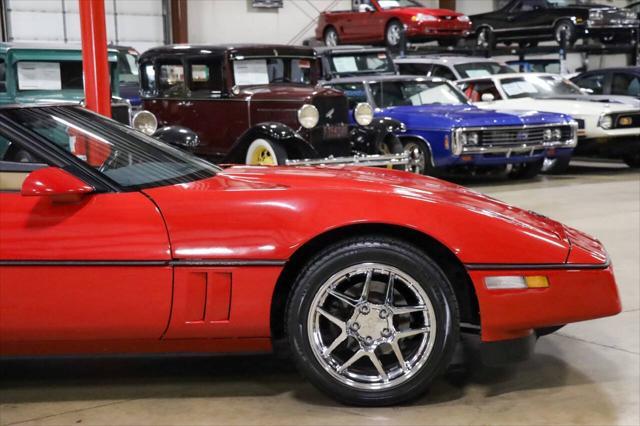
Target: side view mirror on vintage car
[178,136]
[55,182]
[488,97]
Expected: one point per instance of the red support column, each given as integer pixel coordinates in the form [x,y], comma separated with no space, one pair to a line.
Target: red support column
[97,80]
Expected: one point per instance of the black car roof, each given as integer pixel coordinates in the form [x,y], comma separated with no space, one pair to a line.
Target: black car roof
[631,69]
[233,50]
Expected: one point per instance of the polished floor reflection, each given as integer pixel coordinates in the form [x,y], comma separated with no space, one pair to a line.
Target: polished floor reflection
[588,373]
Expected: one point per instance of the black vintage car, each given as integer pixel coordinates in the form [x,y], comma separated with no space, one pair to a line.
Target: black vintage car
[529,21]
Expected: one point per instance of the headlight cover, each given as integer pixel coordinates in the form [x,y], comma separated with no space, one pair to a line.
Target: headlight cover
[463,18]
[145,122]
[363,114]
[605,122]
[308,116]
[423,17]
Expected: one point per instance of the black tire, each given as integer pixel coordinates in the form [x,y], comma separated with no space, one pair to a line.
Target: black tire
[387,252]
[556,166]
[423,165]
[331,37]
[392,34]
[569,28]
[632,160]
[526,170]
[270,152]
[485,38]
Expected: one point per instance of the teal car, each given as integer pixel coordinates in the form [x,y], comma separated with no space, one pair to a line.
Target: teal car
[42,73]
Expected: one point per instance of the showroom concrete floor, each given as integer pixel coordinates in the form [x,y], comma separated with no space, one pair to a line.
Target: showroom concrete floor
[587,373]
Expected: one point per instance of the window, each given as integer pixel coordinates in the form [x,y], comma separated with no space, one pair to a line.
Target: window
[127,157]
[355,92]
[415,93]
[444,72]
[259,71]
[3,77]
[475,90]
[625,84]
[171,80]
[361,63]
[16,162]
[63,75]
[593,82]
[414,69]
[205,75]
[481,69]
[148,78]
[128,66]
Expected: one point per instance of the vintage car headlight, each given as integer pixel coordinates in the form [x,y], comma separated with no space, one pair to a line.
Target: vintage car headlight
[605,122]
[308,116]
[145,122]
[423,17]
[595,15]
[363,114]
[463,18]
[547,134]
[557,134]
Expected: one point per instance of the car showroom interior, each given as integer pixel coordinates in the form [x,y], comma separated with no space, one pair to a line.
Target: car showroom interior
[319,212]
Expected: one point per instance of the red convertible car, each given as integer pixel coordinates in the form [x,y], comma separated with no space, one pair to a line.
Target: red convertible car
[113,242]
[382,21]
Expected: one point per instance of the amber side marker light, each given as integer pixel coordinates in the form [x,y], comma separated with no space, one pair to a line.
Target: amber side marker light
[515,282]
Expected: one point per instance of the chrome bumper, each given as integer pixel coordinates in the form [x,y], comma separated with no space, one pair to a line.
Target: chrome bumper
[360,160]
[517,149]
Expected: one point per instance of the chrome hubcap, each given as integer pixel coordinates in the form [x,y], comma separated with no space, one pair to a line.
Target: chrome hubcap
[393,35]
[371,326]
[564,28]
[418,160]
[331,39]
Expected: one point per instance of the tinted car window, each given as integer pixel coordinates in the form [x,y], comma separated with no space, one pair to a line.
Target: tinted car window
[126,156]
[3,83]
[355,92]
[444,72]
[414,69]
[593,82]
[625,84]
[206,75]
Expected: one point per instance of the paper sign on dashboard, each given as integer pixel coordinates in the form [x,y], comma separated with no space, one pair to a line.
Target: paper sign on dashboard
[39,76]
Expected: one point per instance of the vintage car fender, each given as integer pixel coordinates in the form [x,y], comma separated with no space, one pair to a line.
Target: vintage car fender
[179,136]
[293,143]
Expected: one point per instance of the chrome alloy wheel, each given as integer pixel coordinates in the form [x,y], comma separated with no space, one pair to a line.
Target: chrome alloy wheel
[371,326]
[394,34]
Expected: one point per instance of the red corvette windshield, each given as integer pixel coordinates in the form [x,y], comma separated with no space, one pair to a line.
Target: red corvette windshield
[394,4]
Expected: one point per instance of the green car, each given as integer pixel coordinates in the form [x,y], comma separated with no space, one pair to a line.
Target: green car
[42,73]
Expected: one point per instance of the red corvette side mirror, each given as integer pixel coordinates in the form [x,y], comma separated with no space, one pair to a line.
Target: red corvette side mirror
[54,182]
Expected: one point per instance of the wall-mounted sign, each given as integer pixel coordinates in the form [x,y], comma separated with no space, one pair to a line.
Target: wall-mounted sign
[267,4]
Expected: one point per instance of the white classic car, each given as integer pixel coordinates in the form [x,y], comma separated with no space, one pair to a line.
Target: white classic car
[610,129]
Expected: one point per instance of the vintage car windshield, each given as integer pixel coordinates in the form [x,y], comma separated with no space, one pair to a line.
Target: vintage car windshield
[481,69]
[538,87]
[361,63]
[259,71]
[415,93]
[393,4]
[128,157]
[128,66]
[51,76]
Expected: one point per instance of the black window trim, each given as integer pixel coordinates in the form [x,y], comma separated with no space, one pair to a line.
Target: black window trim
[56,155]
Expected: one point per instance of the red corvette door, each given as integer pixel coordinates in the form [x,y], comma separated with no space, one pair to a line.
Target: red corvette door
[96,268]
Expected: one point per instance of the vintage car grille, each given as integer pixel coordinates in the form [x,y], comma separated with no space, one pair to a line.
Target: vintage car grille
[120,112]
[524,135]
[626,121]
[332,109]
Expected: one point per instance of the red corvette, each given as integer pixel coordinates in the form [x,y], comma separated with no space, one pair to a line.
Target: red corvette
[382,21]
[112,242]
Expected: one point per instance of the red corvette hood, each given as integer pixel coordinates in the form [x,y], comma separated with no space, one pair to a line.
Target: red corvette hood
[392,183]
[411,11]
[266,213]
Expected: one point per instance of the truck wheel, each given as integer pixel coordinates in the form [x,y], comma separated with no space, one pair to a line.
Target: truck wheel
[263,152]
[527,170]
[556,166]
[372,321]
[569,31]
[331,37]
[393,34]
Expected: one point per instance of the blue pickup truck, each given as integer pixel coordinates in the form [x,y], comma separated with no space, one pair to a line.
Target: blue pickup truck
[446,133]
